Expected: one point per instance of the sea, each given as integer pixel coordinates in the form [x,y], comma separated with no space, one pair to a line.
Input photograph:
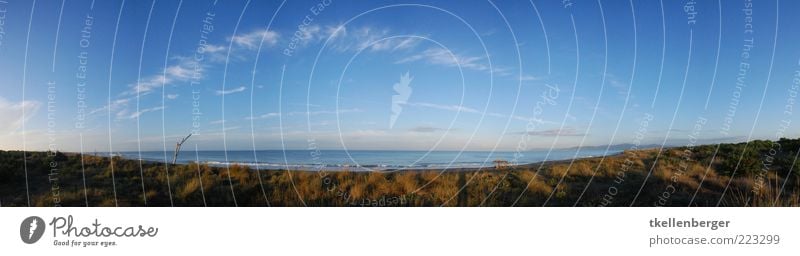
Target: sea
[362,160]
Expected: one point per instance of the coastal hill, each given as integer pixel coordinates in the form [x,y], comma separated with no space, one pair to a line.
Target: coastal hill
[758,173]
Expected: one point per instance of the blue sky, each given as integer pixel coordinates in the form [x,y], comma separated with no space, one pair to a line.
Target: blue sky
[243,75]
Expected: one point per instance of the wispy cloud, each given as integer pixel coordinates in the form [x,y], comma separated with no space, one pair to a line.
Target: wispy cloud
[426,129]
[210,48]
[463,109]
[252,39]
[310,113]
[186,69]
[11,118]
[390,44]
[137,114]
[231,91]
[614,82]
[532,78]
[446,58]
[454,108]
[112,107]
[232,128]
[568,131]
[264,116]
[183,70]
[148,84]
[344,39]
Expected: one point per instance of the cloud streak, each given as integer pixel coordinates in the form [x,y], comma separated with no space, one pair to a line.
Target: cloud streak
[184,70]
[463,109]
[231,91]
[11,118]
[252,39]
[426,129]
[303,113]
[450,59]
[349,39]
[137,114]
[454,108]
[569,131]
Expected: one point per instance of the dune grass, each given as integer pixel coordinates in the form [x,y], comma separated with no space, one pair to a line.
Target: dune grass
[682,176]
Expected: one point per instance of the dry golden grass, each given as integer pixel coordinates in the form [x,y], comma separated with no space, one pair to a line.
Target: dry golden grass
[488,187]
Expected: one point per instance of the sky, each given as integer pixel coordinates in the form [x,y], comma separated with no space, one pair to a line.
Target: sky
[108,76]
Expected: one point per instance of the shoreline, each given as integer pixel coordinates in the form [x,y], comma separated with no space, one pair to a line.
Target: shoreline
[676,179]
[310,167]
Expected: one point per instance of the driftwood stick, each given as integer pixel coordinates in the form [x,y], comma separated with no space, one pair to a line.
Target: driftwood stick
[178,148]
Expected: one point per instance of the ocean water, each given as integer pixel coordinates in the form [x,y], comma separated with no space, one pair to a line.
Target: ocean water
[360,160]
